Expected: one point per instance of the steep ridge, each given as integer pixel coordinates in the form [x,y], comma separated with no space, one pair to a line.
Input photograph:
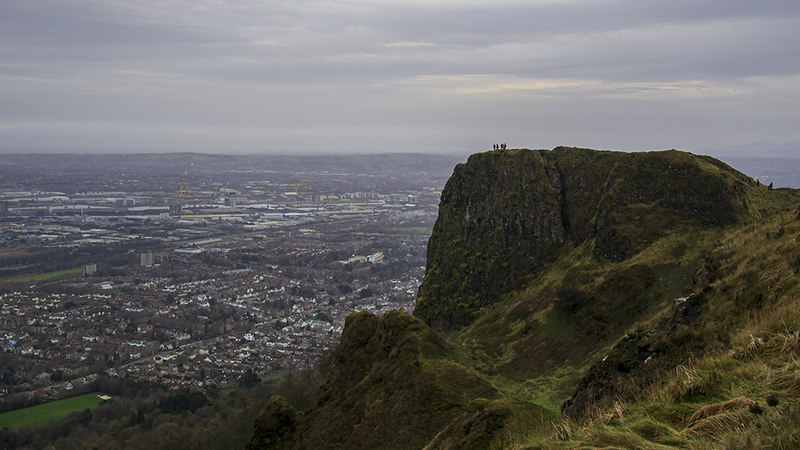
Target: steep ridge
[505,214]
[562,285]
[392,381]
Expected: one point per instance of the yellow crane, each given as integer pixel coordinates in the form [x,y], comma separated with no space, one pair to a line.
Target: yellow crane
[183,189]
[301,189]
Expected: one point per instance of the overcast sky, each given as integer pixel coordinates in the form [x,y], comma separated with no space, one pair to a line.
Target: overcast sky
[396,75]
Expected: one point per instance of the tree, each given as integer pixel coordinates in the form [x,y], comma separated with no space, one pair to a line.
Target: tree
[249,379]
[345,289]
[183,400]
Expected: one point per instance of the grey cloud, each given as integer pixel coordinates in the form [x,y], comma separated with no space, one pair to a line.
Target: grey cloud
[321,71]
[489,25]
[312,45]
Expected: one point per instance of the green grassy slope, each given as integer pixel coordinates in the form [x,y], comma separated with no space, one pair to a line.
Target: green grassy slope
[392,381]
[729,377]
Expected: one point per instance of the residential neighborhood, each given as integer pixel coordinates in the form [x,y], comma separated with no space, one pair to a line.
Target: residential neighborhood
[197,290]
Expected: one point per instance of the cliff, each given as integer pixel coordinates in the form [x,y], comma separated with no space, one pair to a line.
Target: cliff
[505,214]
[578,298]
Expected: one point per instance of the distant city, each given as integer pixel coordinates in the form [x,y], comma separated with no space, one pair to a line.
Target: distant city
[190,270]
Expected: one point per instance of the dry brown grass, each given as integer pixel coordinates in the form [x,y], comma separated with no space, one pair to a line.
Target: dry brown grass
[755,345]
[720,424]
[715,409]
[793,390]
[689,381]
[791,342]
[563,430]
[617,412]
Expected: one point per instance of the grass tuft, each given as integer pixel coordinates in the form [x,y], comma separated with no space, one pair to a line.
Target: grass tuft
[718,408]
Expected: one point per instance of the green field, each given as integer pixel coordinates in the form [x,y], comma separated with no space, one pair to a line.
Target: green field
[411,230]
[51,275]
[47,412]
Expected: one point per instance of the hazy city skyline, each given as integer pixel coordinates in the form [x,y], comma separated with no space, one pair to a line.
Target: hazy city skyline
[391,76]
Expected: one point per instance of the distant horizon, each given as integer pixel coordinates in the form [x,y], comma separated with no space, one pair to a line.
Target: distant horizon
[777,163]
[771,148]
[226,153]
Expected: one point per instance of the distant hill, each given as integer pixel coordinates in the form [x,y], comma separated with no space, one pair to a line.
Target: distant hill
[768,161]
[764,148]
[780,172]
[71,173]
[170,163]
[579,298]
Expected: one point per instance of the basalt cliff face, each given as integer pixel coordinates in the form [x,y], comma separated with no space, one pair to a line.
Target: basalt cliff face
[642,296]
[503,215]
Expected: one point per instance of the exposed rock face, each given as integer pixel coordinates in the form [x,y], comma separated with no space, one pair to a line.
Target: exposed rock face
[605,378]
[505,214]
[499,217]
[639,356]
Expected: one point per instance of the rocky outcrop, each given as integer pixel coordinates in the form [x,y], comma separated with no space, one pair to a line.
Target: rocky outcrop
[504,214]
[609,376]
[636,359]
[499,217]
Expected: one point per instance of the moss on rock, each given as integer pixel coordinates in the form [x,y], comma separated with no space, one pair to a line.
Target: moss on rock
[503,215]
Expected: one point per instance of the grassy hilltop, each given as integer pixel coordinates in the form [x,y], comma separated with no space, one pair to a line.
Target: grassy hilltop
[579,298]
